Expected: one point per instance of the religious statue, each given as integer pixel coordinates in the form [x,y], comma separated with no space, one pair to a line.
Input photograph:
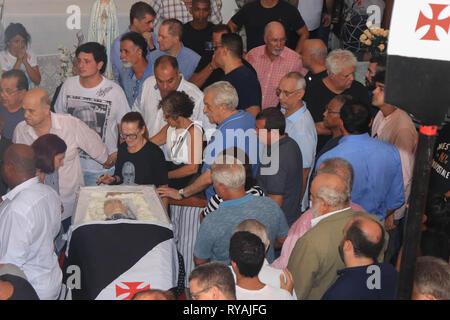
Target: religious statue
[103,27]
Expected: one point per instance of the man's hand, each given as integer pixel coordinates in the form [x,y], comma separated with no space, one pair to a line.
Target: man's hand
[169,193]
[287,281]
[105,179]
[149,38]
[111,161]
[326,20]
[389,222]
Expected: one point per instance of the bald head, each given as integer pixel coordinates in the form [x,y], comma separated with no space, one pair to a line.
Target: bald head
[328,193]
[370,228]
[37,96]
[18,164]
[340,167]
[367,239]
[153,294]
[328,180]
[314,53]
[36,108]
[274,27]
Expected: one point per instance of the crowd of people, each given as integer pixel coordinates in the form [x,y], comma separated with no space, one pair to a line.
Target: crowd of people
[301,175]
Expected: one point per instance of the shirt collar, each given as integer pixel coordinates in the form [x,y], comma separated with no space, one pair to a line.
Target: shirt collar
[235,202]
[293,117]
[315,221]
[24,185]
[145,75]
[354,137]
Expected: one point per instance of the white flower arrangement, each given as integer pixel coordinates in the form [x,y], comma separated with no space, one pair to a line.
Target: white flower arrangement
[66,59]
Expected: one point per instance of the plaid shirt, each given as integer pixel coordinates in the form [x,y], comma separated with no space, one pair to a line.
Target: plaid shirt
[270,72]
[178,9]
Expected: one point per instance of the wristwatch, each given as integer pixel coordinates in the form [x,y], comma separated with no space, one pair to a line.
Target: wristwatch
[181,192]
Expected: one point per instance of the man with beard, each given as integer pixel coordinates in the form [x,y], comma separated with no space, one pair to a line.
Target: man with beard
[142,17]
[362,241]
[314,260]
[136,68]
[273,61]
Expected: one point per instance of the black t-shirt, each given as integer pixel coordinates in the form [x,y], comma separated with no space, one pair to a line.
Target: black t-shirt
[198,40]
[310,77]
[440,168]
[247,86]
[22,288]
[254,17]
[317,96]
[218,74]
[147,166]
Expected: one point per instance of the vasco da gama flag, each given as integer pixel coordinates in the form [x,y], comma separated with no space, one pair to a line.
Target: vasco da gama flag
[116,259]
[418,64]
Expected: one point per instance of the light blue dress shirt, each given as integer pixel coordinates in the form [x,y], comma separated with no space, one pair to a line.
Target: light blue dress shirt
[378,183]
[130,85]
[187,60]
[300,127]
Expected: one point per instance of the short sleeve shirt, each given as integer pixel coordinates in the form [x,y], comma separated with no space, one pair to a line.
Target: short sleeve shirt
[247,86]
[254,17]
[213,238]
[147,166]
[287,180]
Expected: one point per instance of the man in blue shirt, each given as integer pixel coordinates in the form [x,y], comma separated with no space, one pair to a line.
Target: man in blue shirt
[213,238]
[235,128]
[299,124]
[378,185]
[133,52]
[363,278]
[169,39]
[142,16]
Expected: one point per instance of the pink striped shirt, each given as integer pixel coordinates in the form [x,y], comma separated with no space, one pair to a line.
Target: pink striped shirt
[270,72]
[297,230]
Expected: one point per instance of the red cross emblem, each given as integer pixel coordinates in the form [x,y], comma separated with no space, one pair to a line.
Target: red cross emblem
[433,22]
[132,289]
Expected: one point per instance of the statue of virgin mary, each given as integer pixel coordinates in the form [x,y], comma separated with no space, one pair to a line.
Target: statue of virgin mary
[103,27]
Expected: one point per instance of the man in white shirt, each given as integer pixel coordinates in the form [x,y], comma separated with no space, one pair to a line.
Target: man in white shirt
[98,102]
[247,257]
[268,275]
[75,133]
[167,78]
[30,219]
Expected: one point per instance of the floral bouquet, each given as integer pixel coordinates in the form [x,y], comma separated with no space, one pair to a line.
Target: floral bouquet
[66,60]
[375,40]
[67,57]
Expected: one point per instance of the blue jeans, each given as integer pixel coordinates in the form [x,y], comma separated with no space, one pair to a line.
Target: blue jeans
[90,178]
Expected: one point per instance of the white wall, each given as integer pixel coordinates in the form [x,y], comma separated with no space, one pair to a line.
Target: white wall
[45,20]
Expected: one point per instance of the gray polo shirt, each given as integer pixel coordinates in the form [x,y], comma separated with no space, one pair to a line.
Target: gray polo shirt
[287,180]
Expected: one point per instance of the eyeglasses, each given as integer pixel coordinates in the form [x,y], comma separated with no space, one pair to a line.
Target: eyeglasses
[9,92]
[328,111]
[131,136]
[194,295]
[278,92]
